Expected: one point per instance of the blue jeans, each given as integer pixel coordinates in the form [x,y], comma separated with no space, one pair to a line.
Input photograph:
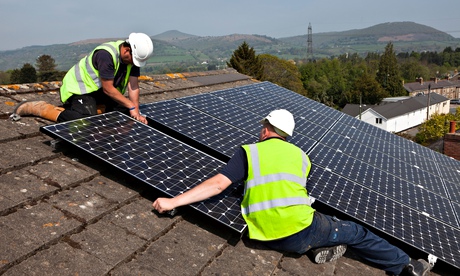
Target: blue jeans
[329,231]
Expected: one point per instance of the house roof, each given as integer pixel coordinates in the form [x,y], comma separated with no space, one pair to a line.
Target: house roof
[64,213]
[395,109]
[423,86]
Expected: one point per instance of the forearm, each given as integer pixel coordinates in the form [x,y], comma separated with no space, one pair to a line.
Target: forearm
[209,188]
[114,94]
[134,91]
[134,97]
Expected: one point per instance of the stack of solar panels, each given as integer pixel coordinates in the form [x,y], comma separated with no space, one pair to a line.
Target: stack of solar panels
[378,178]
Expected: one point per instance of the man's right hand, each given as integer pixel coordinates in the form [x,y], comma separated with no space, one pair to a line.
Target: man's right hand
[136,115]
[163,204]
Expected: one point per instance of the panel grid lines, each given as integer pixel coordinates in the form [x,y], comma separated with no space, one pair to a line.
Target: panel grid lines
[412,172]
[387,182]
[152,157]
[410,226]
[197,125]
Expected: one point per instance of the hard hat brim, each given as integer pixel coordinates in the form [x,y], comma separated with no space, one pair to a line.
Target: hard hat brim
[139,63]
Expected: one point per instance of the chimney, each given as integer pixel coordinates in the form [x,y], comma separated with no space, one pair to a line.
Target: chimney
[452,127]
[420,80]
[452,142]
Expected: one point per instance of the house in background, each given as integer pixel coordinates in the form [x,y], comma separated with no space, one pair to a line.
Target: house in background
[396,115]
[449,87]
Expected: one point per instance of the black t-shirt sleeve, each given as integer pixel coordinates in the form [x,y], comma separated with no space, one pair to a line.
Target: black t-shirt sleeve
[135,71]
[237,167]
[102,61]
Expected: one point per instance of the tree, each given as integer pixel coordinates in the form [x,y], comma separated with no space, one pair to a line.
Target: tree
[245,61]
[15,76]
[388,74]
[27,74]
[368,89]
[5,77]
[436,127]
[281,72]
[47,68]
[411,69]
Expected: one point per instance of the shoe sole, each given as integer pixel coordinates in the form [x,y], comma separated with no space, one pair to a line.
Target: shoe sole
[330,254]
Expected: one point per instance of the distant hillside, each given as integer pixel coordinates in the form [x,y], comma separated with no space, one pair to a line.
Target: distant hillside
[175,47]
[173,35]
[405,36]
[209,42]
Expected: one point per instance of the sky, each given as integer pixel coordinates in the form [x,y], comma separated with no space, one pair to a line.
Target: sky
[29,22]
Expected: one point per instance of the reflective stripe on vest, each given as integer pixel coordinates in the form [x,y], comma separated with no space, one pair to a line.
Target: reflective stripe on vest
[83,78]
[259,179]
[90,70]
[274,203]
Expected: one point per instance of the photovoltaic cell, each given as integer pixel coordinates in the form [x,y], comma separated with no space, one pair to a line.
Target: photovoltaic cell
[158,160]
[245,119]
[356,128]
[384,180]
[244,100]
[392,184]
[385,162]
[209,131]
[383,213]
[386,184]
[225,111]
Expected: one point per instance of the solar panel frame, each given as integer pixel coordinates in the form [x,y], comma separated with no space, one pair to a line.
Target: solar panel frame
[225,111]
[405,162]
[209,131]
[154,158]
[410,226]
[416,202]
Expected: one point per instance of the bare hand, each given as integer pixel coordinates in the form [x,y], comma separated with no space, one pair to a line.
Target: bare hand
[163,204]
[136,115]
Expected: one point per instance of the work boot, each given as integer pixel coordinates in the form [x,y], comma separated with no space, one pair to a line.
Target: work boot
[328,254]
[417,267]
[37,108]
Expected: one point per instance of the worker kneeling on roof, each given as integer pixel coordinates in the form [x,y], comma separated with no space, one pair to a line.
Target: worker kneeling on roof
[277,208]
[98,82]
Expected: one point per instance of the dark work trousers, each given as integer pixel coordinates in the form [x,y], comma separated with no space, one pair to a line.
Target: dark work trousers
[80,106]
[327,231]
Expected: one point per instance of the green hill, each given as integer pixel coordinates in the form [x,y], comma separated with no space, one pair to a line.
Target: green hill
[405,36]
[175,47]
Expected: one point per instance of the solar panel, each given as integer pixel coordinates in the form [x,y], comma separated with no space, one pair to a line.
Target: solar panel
[394,185]
[381,179]
[208,131]
[400,221]
[225,111]
[156,159]
[215,105]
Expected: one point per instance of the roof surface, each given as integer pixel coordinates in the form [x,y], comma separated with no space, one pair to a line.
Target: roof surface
[417,86]
[65,213]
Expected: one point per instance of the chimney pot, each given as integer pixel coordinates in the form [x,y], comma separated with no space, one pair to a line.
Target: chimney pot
[452,127]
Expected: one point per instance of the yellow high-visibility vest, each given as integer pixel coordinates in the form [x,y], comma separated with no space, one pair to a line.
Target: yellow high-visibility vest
[276,203]
[83,78]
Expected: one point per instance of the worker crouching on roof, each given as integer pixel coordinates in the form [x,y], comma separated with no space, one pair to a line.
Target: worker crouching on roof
[98,82]
[276,205]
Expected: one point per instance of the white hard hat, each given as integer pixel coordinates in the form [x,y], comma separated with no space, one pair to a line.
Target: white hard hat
[282,120]
[141,47]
